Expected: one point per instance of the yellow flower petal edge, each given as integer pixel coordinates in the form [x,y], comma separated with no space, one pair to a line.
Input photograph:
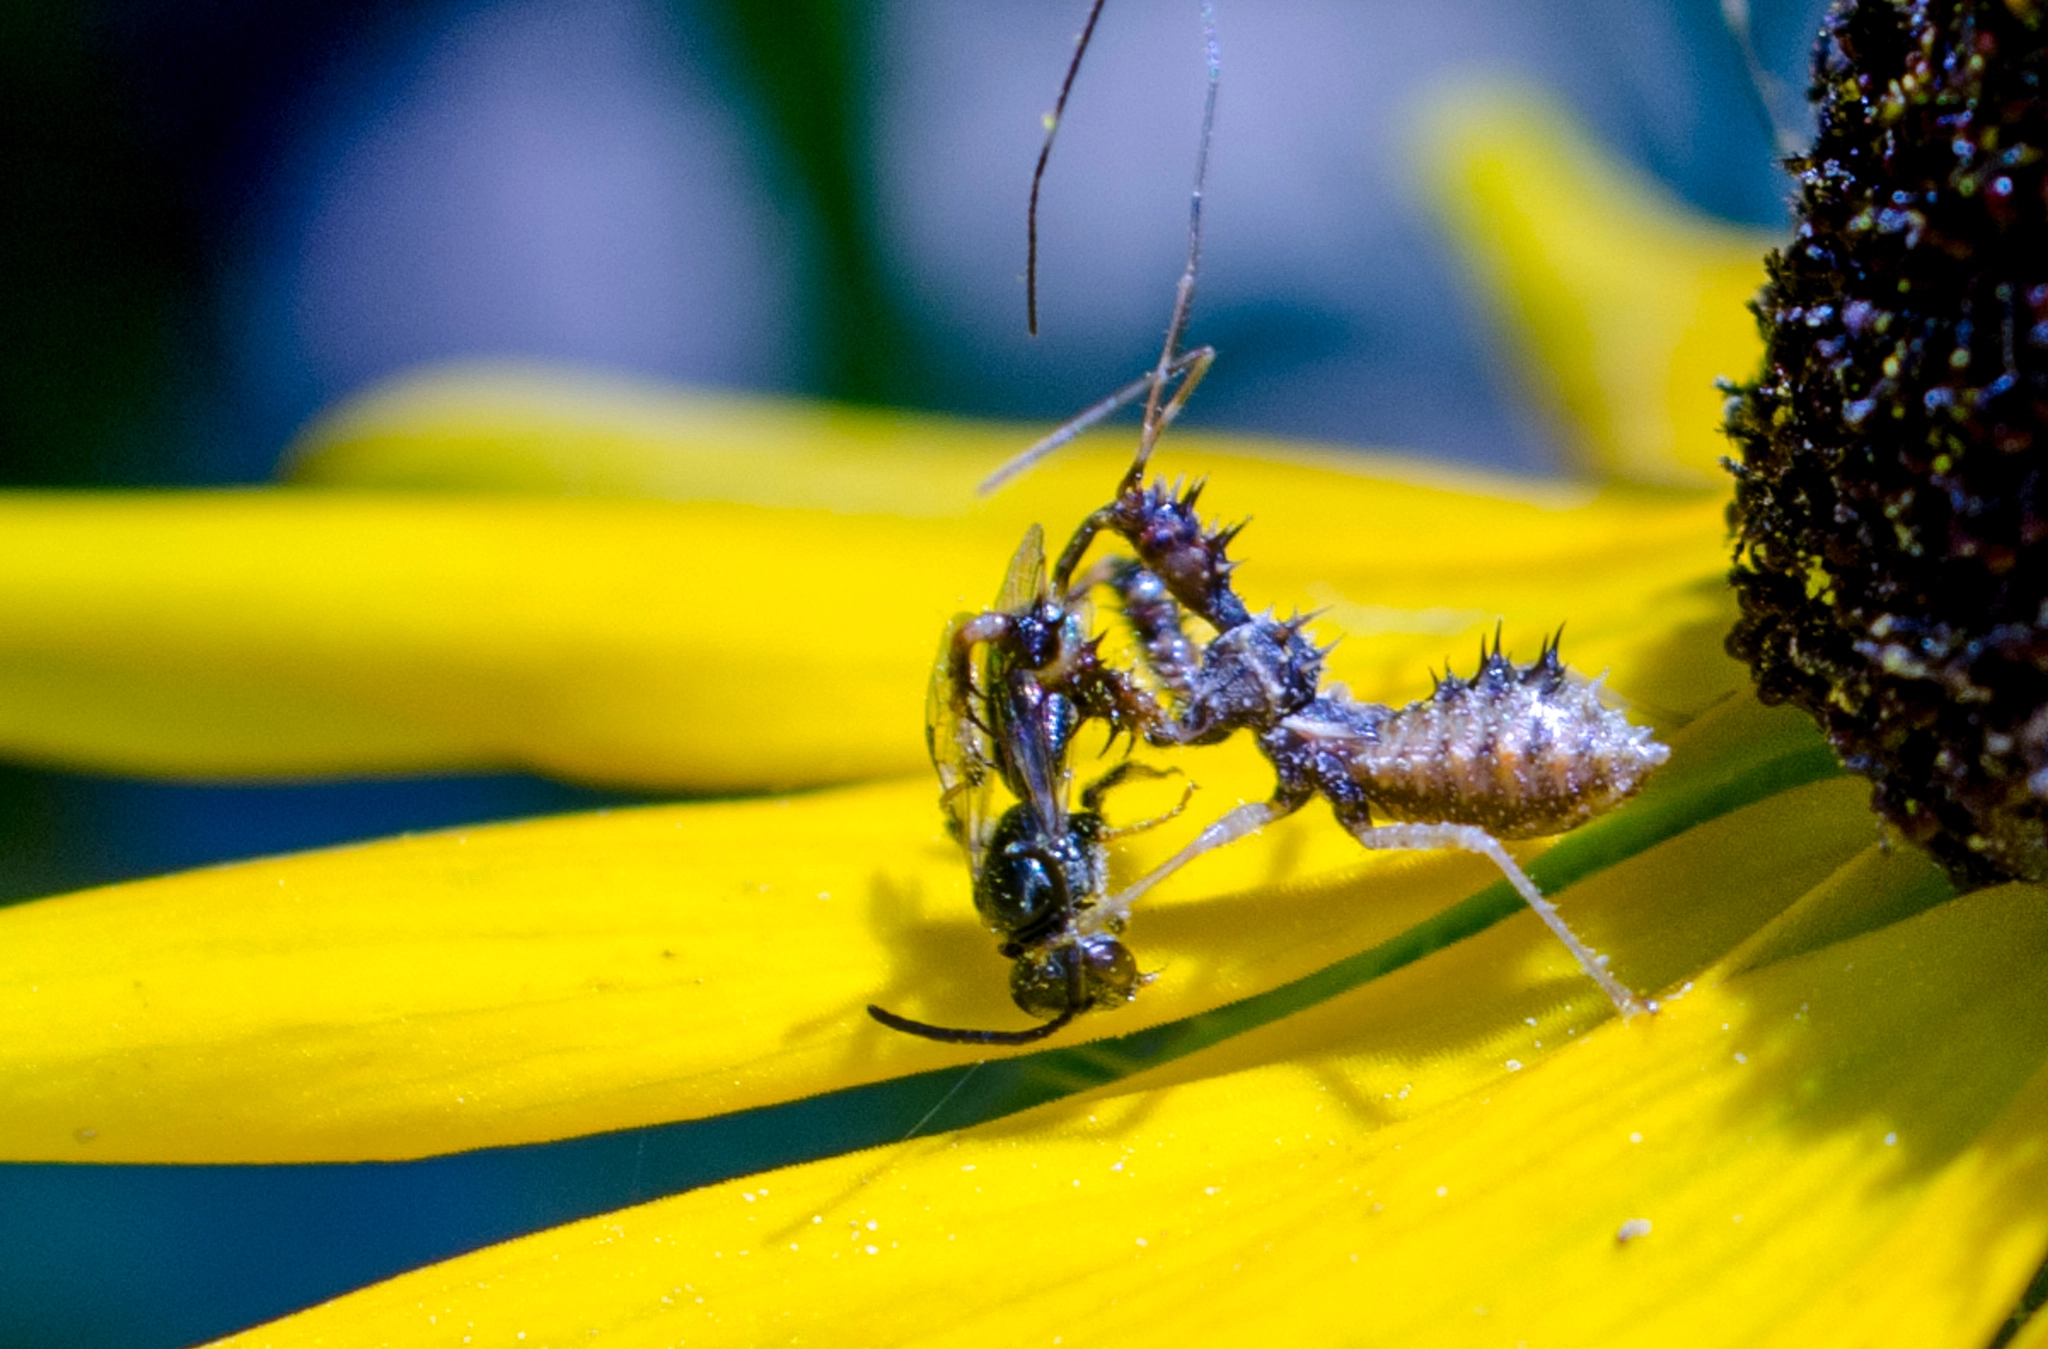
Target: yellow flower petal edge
[2032,1330]
[722,646]
[1622,306]
[1842,1146]
[564,977]
[528,426]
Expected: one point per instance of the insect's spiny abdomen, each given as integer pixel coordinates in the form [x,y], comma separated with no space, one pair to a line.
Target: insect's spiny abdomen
[1519,751]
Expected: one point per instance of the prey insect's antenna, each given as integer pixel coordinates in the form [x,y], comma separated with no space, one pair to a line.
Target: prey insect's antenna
[1052,129]
[1770,92]
[1184,293]
[954,1036]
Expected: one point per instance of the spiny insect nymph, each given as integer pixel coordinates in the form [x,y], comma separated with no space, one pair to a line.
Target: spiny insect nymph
[1521,751]
[1513,752]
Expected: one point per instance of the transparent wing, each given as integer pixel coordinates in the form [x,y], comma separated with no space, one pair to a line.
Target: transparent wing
[960,748]
[1038,766]
[1024,583]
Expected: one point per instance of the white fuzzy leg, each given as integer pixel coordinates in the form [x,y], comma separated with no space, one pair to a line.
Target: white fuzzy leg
[1470,838]
[1233,825]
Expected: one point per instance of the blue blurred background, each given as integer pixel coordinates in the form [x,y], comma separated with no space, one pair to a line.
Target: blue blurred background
[222,215]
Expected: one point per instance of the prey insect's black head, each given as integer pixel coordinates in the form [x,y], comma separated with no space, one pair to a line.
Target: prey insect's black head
[1057,982]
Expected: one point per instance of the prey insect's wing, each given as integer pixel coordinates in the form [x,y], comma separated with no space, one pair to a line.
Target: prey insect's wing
[1038,764]
[1024,582]
[961,750]
[959,714]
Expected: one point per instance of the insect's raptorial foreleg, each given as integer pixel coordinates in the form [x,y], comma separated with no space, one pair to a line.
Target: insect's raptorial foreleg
[1472,839]
[1233,825]
[1192,364]
[1112,695]
[1155,618]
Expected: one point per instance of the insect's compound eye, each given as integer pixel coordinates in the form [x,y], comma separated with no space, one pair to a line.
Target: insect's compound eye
[1093,974]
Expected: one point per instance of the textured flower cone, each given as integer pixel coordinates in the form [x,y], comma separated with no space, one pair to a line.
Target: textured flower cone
[1893,525]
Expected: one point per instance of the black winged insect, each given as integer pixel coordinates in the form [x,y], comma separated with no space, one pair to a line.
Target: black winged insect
[1011,688]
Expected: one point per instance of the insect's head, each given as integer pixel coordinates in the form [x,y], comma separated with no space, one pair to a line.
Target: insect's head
[1093,973]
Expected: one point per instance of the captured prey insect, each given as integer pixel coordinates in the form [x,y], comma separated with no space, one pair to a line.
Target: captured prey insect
[1011,688]
[1516,751]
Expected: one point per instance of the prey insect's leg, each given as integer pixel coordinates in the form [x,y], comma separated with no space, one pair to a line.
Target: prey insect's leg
[1092,794]
[1470,838]
[1233,825]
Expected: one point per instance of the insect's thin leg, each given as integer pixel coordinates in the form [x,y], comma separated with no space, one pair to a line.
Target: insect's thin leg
[1184,292]
[955,1036]
[1052,129]
[1470,838]
[1091,796]
[1233,825]
[1196,363]
[1093,415]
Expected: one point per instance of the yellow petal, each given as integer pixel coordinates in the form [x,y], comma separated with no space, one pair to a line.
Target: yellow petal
[1622,306]
[285,634]
[716,644]
[1414,558]
[562,977]
[2032,1332]
[1853,1131]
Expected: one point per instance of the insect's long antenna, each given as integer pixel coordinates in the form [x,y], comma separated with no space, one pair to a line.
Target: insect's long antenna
[1052,129]
[954,1036]
[1768,89]
[1184,293]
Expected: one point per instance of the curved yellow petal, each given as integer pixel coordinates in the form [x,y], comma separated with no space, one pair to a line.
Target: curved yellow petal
[722,644]
[1622,306]
[1840,1146]
[2033,1329]
[1412,561]
[265,634]
[525,982]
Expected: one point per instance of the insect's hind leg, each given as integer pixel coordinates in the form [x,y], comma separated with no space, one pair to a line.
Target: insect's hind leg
[1472,839]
